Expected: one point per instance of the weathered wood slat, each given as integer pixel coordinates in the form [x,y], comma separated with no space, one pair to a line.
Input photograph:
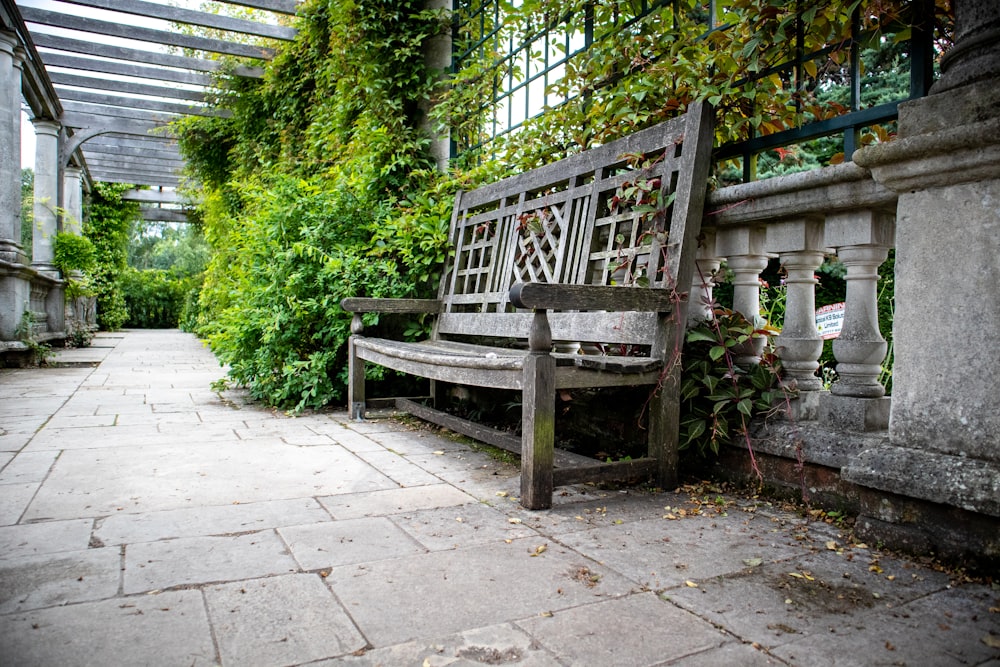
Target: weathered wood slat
[368,305]
[491,436]
[590,297]
[637,470]
[615,328]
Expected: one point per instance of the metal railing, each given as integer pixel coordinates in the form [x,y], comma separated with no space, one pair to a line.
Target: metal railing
[526,70]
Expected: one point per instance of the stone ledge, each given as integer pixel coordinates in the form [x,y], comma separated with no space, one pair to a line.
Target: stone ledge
[834,448]
[969,484]
[816,192]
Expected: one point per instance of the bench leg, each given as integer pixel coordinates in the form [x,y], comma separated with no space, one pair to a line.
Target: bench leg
[664,429]
[538,414]
[355,383]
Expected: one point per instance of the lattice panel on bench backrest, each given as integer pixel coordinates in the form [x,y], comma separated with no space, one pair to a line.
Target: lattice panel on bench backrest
[547,229]
[480,238]
[554,224]
[629,246]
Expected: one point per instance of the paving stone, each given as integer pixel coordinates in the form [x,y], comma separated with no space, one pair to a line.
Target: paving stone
[277,621]
[394,501]
[26,406]
[159,477]
[416,442]
[584,508]
[166,629]
[44,538]
[335,543]
[80,421]
[438,594]
[93,437]
[33,582]
[398,468]
[954,627]
[22,424]
[780,603]
[13,442]
[175,419]
[201,560]
[455,527]
[14,499]
[652,632]
[356,442]
[661,553]
[28,467]
[207,520]
[733,653]
[494,645]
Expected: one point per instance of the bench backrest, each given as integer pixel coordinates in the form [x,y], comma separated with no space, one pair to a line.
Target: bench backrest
[562,223]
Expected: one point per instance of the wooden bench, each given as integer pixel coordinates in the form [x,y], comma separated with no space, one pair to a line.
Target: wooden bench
[540,257]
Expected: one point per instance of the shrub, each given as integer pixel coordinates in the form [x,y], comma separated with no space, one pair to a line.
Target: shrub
[154,298]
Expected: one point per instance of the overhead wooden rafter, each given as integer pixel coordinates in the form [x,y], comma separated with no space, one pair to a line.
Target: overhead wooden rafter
[115,97]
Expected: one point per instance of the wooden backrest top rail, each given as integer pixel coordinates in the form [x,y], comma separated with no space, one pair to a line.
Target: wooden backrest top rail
[556,224]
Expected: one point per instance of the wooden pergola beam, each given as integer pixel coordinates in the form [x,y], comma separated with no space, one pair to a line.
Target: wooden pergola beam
[164,37]
[125,69]
[191,17]
[90,48]
[126,87]
[139,103]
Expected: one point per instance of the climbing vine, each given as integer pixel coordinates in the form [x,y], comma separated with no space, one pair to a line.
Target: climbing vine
[311,191]
[106,224]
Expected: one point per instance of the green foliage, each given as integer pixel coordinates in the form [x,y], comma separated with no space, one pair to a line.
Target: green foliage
[154,298]
[318,187]
[26,332]
[74,253]
[298,249]
[27,209]
[647,65]
[178,247]
[718,397]
[106,224]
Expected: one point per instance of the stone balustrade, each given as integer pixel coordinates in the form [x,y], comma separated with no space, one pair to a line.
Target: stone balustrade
[800,219]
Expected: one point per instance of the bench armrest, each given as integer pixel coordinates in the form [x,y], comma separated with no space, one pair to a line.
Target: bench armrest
[556,296]
[368,305]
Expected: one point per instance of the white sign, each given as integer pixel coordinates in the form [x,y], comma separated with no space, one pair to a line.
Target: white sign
[830,320]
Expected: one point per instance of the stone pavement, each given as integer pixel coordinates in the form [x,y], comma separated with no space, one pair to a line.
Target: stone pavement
[147,520]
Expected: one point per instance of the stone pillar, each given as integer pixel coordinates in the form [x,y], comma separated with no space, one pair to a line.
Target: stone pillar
[703,280]
[743,248]
[72,219]
[799,244]
[46,194]
[862,239]
[10,148]
[944,425]
[437,54]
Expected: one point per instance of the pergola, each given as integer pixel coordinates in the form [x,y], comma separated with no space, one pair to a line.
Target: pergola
[105,103]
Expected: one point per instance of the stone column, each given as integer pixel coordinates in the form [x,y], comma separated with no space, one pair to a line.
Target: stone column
[799,244]
[944,425]
[46,194]
[743,248]
[72,219]
[862,239]
[703,280]
[437,55]
[10,148]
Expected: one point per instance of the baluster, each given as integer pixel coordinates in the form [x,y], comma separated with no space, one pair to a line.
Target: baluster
[862,240]
[799,244]
[703,280]
[743,248]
